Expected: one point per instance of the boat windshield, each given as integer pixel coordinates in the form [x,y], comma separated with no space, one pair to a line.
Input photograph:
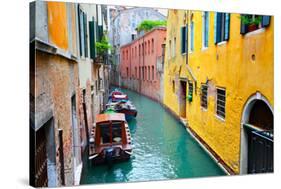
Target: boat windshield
[105,134]
[117,132]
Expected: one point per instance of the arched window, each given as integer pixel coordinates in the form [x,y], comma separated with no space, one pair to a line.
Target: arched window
[148,47]
[152,45]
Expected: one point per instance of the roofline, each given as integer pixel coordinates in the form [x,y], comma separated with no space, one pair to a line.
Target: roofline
[147,33]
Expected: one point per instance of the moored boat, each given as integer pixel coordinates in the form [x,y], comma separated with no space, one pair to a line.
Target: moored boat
[125,107]
[110,139]
[117,96]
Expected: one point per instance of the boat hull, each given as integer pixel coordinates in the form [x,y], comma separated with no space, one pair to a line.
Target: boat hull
[101,158]
[129,114]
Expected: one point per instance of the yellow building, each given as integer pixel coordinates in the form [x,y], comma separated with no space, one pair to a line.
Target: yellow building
[218,78]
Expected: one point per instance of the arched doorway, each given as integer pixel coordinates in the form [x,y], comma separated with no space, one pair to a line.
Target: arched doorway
[256,154]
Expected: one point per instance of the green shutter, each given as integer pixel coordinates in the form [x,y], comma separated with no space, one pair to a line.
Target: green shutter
[85,35]
[227,27]
[243,27]
[186,38]
[218,27]
[215,28]
[80,30]
[265,21]
[92,39]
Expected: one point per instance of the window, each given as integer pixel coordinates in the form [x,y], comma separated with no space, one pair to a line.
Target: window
[148,72]
[132,52]
[183,39]
[145,71]
[142,73]
[253,22]
[127,72]
[205,30]
[145,48]
[136,72]
[139,50]
[222,27]
[139,72]
[220,102]
[204,96]
[136,52]
[192,36]
[127,55]
[148,47]
[174,86]
[105,134]
[117,132]
[152,45]
[152,72]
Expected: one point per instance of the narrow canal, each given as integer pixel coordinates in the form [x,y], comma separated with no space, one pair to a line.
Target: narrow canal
[162,149]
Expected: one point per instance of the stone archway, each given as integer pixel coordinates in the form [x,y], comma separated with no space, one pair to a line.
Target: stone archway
[257,114]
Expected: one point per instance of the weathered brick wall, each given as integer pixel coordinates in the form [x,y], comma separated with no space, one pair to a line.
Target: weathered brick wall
[56,81]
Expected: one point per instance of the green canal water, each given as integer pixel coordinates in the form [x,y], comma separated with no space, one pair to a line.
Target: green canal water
[162,149]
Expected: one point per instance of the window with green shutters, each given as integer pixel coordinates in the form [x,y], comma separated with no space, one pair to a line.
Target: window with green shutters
[222,27]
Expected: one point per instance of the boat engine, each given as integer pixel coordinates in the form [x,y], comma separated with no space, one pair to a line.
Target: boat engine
[109,156]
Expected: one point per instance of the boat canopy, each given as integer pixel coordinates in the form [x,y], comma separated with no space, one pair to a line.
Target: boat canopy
[110,117]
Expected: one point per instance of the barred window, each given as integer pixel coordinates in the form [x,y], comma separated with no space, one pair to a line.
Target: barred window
[221,102]
[204,96]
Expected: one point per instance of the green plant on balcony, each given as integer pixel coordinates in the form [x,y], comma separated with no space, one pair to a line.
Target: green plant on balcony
[103,46]
[251,21]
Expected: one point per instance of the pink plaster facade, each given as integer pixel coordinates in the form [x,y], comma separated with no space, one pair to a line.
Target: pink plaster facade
[138,63]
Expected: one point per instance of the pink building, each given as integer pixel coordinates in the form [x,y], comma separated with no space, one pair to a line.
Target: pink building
[141,64]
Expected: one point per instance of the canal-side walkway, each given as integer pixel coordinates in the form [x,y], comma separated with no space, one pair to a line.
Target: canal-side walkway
[162,149]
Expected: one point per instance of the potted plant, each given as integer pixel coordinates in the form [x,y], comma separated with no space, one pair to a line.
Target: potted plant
[251,21]
[102,48]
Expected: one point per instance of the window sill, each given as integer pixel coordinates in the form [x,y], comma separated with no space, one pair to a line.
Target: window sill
[204,109]
[220,118]
[204,48]
[221,43]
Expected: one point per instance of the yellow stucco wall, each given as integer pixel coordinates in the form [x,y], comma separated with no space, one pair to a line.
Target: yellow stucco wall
[57,24]
[227,65]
